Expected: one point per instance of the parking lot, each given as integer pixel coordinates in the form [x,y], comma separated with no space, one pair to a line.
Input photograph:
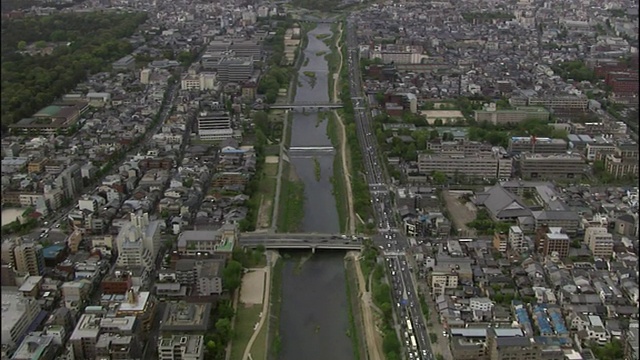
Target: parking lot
[460,213]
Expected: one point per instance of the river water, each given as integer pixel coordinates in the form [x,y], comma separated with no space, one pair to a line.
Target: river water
[314,319]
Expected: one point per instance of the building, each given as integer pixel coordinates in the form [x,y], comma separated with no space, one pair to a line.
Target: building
[182,317]
[623,161]
[538,166]
[493,164]
[125,63]
[18,315]
[209,281]
[140,304]
[29,258]
[536,145]
[551,240]
[202,81]
[181,347]
[36,346]
[230,67]
[145,76]
[52,120]
[397,54]
[480,304]
[511,347]
[600,242]
[599,148]
[511,116]
[76,293]
[96,336]
[116,346]
[138,242]
[193,242]
[559,104]
[500,242]
[516,239]
[623,82]
[214,126]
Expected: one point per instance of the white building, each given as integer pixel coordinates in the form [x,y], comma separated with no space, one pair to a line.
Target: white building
[202,81]
[214,126]
[481,304]
[145,76]
[516,239]
[18,313]
[600,242]
[182,347]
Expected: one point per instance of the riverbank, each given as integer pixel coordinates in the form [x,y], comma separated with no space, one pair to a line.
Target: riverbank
[342,178]
[356,322]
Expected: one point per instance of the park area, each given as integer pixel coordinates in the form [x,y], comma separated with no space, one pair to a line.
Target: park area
[250,333]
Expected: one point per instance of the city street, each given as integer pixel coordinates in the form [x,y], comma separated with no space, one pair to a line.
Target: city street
[390,239]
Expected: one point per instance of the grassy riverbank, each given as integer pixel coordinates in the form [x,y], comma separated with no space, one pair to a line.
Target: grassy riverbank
[275,297]
[338,185]
[356,323]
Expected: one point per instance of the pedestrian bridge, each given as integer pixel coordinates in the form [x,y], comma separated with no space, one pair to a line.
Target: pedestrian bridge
[304,105]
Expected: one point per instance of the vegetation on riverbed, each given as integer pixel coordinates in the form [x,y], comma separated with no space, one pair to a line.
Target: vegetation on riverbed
[316,169]
[291,206]
[338,184]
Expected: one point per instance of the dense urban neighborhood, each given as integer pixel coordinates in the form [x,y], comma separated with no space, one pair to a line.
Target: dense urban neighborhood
[313,180]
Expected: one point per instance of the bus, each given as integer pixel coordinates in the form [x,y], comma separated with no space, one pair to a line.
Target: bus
[414,345]
[409,327]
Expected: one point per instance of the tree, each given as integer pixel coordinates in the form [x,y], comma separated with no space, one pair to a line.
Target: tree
[232,275]
[439,178]
[223,327]
[211,346]
[22,45]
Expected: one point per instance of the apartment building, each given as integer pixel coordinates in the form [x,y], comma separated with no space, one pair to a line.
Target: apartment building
[512,116]
[623,161]
[535,145]
[493,164]
[29,258]
[397,54]
[181,347]
[600,242]
[543,166]
[552,239]
[516,239]
[214,126]
[202,81]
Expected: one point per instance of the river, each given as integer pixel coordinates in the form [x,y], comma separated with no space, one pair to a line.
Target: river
[314,320]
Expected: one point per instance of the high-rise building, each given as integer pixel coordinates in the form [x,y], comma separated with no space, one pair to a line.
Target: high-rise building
[29,258]
[516,239]
[600,242]
[552,239]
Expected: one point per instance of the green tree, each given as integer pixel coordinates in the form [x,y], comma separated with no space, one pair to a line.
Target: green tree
[22,45]
[232,275]
[223,327]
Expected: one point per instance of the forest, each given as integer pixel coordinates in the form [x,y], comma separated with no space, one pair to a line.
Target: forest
[79,44]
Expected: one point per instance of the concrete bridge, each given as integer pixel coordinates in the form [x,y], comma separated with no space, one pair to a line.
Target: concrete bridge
[311,150]
[311,105]
[313,245]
